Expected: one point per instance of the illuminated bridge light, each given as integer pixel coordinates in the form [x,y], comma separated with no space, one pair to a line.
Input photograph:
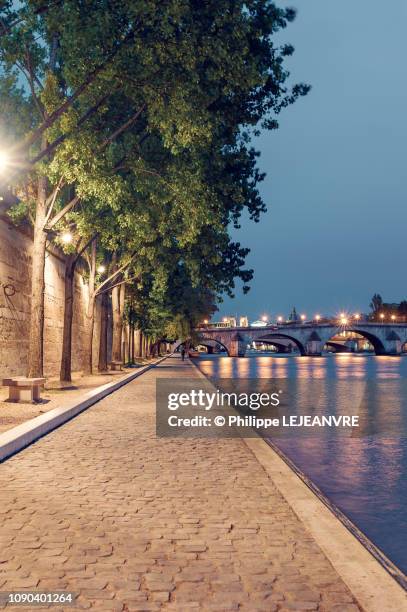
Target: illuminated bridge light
[317,318]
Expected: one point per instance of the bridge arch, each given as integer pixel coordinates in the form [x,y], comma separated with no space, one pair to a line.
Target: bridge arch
[281,348]
[269,338]
[374,340]
[204,342]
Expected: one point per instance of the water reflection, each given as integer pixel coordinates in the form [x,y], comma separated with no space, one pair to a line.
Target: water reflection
[364,474]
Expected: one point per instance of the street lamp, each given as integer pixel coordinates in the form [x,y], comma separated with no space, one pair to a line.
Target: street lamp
[66,237]
[264,318]
[280,319]
[101,269]
[344,321]
[381,316]
[317,318]
[206,322]
[393,317]
[357,316]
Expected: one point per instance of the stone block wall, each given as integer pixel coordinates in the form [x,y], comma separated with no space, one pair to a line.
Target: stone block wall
[15,287]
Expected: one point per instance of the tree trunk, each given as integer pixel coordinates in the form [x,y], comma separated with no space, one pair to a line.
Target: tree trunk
[88,336]
[137,342]
[118,295]
[90,316]
[36,337]
[66,358]
[132,344]
[102,367]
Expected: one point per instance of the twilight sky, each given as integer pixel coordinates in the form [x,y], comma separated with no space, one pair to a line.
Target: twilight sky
[335,230]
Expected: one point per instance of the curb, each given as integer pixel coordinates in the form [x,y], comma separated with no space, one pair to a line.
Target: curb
[18,438]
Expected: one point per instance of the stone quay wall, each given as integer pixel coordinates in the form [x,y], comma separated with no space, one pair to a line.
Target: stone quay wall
[15,289]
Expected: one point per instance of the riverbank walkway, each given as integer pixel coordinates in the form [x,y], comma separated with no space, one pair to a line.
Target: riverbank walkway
[103,508]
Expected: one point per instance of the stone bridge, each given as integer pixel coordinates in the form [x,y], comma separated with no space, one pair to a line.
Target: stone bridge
[309,338]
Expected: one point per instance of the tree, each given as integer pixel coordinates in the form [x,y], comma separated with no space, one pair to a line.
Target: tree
[147,104]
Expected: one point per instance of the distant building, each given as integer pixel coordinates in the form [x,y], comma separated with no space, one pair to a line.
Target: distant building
[243,322]
[259,324]
[293,316]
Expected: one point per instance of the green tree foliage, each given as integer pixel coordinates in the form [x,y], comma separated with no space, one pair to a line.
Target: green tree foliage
[133,121]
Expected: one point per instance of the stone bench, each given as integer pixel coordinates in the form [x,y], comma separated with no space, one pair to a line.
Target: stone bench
[116,365]
[22,389]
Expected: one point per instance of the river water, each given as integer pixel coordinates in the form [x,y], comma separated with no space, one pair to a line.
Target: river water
[365,476]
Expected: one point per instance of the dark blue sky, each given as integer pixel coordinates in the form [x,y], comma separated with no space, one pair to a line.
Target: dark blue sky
[335,230]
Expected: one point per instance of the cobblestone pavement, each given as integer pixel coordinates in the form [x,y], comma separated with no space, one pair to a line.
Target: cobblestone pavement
[103,508]
[56,394]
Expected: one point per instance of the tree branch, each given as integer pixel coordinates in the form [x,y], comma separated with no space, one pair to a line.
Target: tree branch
[53,145]
[50,120]
[122,128]
[125,280]
[118,271]
[85,246]
[62,213]
[51,200]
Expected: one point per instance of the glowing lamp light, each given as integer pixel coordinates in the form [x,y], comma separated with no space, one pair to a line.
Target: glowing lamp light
[393,317]
[206,322]
[357,316]
[66,237]
[101,269]
[382,316]
[303,317]
[225,319]
[4,161]
[317,318]
[280,319]
[264,318]
[344,320]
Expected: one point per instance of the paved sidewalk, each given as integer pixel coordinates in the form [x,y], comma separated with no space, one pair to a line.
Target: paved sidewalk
[103,508]
[55,395]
